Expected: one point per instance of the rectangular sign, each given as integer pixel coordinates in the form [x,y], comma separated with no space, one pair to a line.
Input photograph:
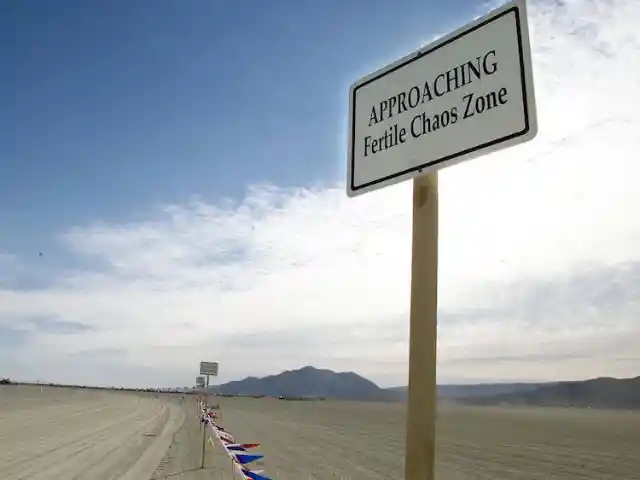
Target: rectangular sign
[199,381]
[209,368]
[467,94]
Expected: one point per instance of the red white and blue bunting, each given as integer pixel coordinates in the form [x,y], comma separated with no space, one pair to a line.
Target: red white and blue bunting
[239,453]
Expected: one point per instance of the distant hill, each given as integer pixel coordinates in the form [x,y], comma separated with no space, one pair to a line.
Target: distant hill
[309,382]
[315,382]
[453,392]
[596,393]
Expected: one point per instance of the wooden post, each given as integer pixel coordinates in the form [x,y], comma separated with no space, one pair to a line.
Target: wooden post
[422,396]
[204,425]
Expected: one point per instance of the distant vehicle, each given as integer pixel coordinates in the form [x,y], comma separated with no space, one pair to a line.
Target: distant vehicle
[5,381]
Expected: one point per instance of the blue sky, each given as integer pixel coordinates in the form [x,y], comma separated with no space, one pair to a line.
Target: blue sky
[180,165]
[111,107]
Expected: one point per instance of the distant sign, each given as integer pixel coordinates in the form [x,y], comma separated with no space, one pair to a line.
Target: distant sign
[199,381]
[465,95]
[209,368]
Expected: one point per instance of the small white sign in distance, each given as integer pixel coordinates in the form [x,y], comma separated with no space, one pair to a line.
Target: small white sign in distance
[199,381]
[209,368]
[467,94]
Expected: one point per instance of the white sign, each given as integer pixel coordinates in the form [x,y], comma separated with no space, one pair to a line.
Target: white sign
[209,368]
[199,381]
[465,95]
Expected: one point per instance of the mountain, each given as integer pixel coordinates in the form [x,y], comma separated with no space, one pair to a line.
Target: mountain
[315,382]
[597,393]
[309,382]
[446,392]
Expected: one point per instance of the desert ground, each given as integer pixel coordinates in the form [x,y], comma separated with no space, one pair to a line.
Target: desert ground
[64,434]
[349,440]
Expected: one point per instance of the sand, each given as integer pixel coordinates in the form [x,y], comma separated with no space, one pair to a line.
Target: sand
[365,441]
[183,459]
[77,434]
[82,434]
[66,434]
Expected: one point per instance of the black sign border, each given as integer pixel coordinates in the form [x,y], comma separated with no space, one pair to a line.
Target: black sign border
[420,55]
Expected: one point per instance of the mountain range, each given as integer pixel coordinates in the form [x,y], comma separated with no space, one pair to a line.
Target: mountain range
[314,382]
[602,392]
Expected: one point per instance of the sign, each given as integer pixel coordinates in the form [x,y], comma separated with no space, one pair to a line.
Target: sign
[465,95]
[209,368]
[199,381]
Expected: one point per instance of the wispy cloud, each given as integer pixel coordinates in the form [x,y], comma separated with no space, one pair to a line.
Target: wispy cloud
[540,249]
[57,326]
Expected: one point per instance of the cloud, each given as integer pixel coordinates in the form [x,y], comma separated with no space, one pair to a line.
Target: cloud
[54,325]
[539,254]
[585,323]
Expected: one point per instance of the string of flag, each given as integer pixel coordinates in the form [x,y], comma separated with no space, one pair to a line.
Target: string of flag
[239,453]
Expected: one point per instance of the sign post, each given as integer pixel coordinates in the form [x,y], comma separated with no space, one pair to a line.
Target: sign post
[421,412]
[200,395]
[467,94]
[206,369]
[204,425]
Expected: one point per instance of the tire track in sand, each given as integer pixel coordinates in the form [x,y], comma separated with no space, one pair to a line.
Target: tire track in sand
[129,433]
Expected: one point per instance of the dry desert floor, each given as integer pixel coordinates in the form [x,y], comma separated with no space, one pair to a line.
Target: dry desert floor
[66,434]
[349,440]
